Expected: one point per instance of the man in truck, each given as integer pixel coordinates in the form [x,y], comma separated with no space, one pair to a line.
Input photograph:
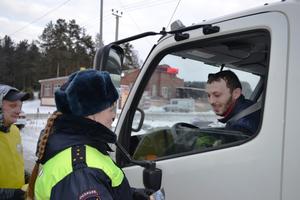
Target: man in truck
[224,92]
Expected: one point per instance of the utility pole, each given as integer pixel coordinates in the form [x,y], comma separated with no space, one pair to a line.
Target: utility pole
[101,22]
[118,15]
[57,70]
[100,28]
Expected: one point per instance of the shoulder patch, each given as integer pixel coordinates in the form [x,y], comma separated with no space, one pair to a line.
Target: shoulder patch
[89,195]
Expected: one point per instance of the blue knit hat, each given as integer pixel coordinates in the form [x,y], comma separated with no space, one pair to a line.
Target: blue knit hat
[85,93]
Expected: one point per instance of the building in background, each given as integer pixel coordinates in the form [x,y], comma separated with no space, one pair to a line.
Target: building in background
[163,85]
[48,88]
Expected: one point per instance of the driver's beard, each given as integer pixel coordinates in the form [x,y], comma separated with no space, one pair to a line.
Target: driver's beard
[228,106]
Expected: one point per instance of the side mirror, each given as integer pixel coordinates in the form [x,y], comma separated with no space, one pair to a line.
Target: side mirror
[140,119]
[109,58]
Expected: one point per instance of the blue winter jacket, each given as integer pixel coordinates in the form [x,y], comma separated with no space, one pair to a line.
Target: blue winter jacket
[85,181]
[248,124]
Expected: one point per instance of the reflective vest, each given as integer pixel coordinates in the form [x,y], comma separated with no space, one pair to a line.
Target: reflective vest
[61,165]
[11,159]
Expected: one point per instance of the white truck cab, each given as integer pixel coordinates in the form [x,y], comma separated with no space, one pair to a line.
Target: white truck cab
[196,161]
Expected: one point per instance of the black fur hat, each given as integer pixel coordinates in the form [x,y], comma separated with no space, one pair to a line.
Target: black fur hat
[85,93]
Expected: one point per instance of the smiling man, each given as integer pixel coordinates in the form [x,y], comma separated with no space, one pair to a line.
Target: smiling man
[11,151]
[224,92]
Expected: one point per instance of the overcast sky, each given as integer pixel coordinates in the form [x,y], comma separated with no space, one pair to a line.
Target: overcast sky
[26,19]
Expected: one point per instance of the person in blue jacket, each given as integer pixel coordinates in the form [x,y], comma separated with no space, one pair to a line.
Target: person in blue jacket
[224,92]
[73,148]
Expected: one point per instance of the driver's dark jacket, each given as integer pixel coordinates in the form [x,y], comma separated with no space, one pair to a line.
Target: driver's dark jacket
[247,124]
[83,182]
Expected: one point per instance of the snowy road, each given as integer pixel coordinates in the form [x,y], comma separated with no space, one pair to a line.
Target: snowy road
[30,135]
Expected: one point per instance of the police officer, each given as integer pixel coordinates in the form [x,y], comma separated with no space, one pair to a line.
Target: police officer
[73,149]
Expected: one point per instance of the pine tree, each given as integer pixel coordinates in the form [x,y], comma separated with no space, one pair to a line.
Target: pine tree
[66,47]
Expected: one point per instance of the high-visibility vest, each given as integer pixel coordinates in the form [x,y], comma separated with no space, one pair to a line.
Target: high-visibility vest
[61,165]
[11,159]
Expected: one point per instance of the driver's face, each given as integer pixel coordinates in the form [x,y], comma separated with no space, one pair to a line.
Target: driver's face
[219,96]
[11,111]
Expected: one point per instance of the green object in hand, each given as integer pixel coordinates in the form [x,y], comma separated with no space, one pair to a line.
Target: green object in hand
[205,142]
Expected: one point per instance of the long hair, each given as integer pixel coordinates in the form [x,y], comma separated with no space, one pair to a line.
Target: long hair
[40,153]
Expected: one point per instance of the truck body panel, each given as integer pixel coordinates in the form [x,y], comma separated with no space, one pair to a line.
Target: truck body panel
[262,167]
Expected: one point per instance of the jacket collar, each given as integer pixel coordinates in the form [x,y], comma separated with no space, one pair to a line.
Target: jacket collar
[234,110]
[69,130]
[4,129]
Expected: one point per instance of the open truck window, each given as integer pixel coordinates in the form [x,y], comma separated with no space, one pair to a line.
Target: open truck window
[178,119]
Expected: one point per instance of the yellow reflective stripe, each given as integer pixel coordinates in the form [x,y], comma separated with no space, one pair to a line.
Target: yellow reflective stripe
[53,171]
[96,159]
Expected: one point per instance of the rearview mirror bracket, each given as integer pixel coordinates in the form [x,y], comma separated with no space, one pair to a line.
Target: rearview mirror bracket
[109,58]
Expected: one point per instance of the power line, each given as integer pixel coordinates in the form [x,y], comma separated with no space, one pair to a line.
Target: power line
[148,5]
[173,13]
[129,8]
[39,18]
[139,3]
[145,4]
[137,26]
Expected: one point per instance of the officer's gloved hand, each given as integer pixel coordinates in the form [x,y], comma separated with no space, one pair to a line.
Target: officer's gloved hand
[141,193]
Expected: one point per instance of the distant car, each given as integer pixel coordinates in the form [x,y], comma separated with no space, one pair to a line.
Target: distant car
[21,121]
[180,105]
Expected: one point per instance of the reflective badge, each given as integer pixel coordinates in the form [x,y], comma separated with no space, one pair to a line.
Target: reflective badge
[20,148]
[89,195]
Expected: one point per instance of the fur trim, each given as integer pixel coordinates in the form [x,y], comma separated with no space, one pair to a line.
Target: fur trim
[85,93]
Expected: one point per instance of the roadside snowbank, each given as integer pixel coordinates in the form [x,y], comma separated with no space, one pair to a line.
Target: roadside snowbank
[34,106]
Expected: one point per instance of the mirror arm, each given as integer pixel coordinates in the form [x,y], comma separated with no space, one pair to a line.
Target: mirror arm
[148,164]
[207,28]
[135,37]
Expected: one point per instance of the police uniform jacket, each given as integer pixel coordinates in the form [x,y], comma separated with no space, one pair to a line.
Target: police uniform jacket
[76,164]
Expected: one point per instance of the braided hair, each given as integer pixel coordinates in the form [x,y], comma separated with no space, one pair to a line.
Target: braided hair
[40,153]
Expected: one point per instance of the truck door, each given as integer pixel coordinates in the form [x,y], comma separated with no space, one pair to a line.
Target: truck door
[200,159]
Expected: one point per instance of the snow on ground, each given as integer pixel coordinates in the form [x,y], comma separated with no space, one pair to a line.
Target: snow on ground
[30,133]
[30,136]
[37,117]
[34,106]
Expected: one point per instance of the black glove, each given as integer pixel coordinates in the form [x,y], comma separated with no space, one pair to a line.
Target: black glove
[141,193]
[19,194]
[11,194]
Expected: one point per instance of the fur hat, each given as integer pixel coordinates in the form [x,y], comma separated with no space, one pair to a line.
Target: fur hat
[85,93]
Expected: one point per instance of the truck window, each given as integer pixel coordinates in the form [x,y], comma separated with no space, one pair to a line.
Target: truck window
[179,119]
